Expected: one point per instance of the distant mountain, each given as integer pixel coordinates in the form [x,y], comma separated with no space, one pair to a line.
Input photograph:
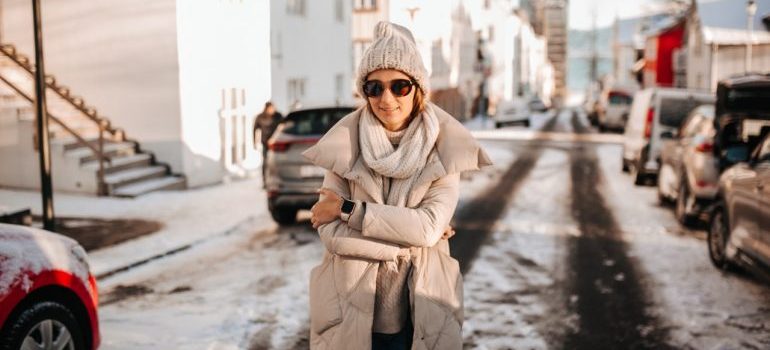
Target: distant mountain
[579,53]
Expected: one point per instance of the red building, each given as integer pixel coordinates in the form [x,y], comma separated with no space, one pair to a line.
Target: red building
[660,53]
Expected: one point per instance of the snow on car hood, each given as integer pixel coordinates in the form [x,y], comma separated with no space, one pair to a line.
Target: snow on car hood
[34,250]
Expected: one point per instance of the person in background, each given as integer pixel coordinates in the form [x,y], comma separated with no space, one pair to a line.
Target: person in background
[266,123]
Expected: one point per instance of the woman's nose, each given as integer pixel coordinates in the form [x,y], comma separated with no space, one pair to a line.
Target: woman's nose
[387,96]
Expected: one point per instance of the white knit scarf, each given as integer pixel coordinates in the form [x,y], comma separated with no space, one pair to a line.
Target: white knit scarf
[403,163]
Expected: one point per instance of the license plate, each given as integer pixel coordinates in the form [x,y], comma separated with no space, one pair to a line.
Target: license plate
[311,171]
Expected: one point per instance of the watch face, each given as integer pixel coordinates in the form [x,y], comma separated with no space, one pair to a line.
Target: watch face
[347,206]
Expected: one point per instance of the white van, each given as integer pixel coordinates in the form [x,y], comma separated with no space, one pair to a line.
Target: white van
[615,107]
[656,114]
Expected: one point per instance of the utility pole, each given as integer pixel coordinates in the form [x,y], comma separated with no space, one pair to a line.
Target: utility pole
[46,187]
[751,9]
[594,59]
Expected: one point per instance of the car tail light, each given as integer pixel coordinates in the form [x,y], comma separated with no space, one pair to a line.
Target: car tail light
[701,183]
[648,123]
[283,146]
[705,147]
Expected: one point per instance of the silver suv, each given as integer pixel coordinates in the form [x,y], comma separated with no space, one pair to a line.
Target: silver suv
[689,171]
[291,181]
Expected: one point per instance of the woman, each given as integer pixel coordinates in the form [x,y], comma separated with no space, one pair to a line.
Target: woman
[391,187]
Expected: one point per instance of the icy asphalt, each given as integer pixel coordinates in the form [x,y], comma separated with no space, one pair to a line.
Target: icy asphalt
[559,249]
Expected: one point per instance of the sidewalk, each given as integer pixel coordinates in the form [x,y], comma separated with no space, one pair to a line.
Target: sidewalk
[188,217]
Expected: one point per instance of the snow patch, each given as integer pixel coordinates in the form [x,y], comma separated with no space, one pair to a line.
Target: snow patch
[27,250]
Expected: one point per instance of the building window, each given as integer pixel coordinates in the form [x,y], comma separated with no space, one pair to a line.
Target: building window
[365,5]
[339,11]
[295,90]
[295,7]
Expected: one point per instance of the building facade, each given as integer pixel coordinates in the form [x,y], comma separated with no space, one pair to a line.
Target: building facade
[550,19]
[716,42]
[311,69]
[182,78]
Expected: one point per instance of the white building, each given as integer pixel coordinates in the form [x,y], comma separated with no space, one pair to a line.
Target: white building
[182,78]
[450,35]
[312,61]
[716,42]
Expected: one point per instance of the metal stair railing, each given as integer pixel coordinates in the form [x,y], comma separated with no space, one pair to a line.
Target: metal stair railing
[90,113]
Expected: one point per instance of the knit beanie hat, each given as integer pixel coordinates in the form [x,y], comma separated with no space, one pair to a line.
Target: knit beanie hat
[393,48]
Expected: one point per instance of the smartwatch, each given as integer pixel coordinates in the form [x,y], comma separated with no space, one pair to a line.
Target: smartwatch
[347,209]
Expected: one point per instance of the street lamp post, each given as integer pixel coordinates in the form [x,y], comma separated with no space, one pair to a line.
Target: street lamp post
[46,186]
[751,9]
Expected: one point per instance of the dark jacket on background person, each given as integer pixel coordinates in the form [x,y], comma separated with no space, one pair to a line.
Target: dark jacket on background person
[266,124]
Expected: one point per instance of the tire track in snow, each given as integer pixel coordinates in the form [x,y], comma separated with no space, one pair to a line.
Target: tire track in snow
[605,287]
[474,221]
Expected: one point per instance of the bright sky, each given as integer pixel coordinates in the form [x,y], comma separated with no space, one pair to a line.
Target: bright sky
[580,11]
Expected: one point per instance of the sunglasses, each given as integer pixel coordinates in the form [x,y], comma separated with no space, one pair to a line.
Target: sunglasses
[399,87]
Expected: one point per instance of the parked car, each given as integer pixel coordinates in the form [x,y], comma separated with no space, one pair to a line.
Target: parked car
[48,297]
[739,232]
[613,113]
[656,114]
[535,104]
[292,181]
[689,172]
[740,226]
[511,112]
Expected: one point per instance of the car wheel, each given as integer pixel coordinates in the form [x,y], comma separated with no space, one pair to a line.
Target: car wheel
[718,236]
[45,325]
[685,201]
[498,125]
[639,177]
[625,166]
[284,216]
[526,123]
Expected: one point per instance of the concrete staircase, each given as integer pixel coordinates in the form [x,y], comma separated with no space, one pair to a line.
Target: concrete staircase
[75,129]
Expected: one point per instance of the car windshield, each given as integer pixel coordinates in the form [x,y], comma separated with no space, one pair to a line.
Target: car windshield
[748,100]
[313,122]
[620,99]
[673,111]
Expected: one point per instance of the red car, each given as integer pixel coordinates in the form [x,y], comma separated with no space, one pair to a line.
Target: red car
[48,297]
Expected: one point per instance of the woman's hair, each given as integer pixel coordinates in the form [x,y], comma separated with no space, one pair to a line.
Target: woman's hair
[418,104]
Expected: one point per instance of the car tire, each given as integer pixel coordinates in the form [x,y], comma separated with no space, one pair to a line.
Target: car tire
[284,216]
[526,123]
[32,323]
[498,125]
[625,168]
[717,238]
[640,178]
[684,195]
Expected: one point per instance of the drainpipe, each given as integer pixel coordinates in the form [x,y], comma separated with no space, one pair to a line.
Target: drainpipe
[46,187]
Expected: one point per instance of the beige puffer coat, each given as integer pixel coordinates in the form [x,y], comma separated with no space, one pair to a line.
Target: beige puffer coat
[342,287]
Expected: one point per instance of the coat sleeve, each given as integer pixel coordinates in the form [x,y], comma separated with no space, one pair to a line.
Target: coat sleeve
[422,226]
[341,239]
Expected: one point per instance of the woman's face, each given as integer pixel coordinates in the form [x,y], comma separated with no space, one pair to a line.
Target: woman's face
[393,111]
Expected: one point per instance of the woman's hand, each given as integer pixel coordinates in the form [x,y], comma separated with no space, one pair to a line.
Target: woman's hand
[327,209]
[448,233]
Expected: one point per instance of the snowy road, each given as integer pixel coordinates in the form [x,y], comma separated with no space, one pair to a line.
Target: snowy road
[560,250]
